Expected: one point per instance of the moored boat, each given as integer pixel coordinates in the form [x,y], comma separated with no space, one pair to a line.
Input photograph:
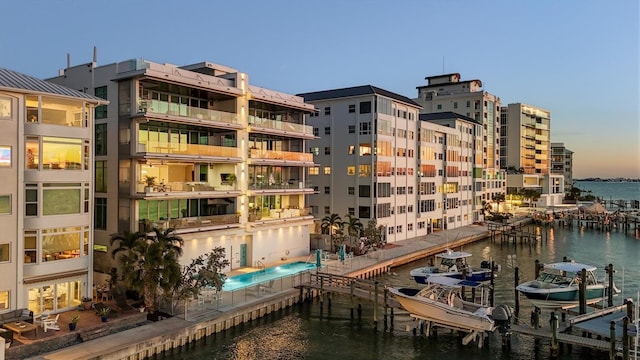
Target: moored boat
[453,264]
[440,302]
[558,286]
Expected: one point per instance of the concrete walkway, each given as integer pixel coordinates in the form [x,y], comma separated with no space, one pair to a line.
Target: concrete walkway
[403,252]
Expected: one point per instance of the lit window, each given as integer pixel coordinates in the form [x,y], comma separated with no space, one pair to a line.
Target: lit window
[314,170]
[4,254]
[351,170]
[5,156]
[327,170]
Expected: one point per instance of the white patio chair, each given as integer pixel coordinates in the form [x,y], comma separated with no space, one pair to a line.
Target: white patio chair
[37,319]
[51,323]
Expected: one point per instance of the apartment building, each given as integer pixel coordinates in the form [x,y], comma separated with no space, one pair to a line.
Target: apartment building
[366,156]
[448,92]
[458,167]
[377,159]
[526,152]
[562,162]
[201,150]
[46,207]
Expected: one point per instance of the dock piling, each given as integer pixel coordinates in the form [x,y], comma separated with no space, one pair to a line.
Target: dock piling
[517,281]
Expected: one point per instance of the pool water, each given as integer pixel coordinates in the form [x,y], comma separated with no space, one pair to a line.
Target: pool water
[253,278]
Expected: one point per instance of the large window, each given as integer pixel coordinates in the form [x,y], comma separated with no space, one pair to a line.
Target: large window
[6,108]
[62,243]
[101,139]
[61,199]
[4,253]
[101,111]
[62,153]
[100,215]
[365,107]
[4,300]
[5,204]
[55,296]
[101,176]
[364,191]
[5,156]
[364,212]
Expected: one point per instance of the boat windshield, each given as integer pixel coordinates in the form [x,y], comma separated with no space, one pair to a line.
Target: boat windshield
[554,279]
[447,262]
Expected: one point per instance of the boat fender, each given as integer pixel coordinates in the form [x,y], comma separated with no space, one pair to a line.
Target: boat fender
[450,299]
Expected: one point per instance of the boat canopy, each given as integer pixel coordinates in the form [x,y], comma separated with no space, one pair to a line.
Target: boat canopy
[569,267]
[452,282]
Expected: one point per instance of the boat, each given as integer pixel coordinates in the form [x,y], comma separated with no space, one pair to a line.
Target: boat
[439,302]
[453,264]
[557,286]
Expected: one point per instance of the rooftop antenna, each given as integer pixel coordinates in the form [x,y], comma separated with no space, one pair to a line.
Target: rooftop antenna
[443,64]
[68,60]
[95,54]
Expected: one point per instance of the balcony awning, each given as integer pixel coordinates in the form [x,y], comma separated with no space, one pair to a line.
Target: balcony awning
[57,276]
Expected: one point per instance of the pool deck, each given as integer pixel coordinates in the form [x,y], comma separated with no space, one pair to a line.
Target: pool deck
[108,347]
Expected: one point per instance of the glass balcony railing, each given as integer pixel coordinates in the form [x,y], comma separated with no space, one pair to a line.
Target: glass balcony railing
[175,186]
[162,147]
[168,108]
[280,155]
[190,222]
[291,184]
[275,214]
[259,122]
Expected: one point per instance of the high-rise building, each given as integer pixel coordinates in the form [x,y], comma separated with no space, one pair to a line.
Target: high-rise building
[526,137]
[377,160]
[562,162]
[46,166]
[448,93]
[198,149]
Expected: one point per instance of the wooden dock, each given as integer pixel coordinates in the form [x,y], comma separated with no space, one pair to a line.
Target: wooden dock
[564,338]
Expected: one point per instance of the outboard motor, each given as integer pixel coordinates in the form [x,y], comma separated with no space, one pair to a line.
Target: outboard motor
[501,314]
[487,265]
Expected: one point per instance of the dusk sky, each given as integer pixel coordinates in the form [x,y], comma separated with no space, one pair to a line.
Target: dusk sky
[578,59]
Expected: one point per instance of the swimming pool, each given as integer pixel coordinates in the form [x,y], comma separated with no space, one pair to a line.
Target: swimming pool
[257,277]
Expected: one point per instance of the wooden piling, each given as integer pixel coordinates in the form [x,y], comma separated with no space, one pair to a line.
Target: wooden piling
[610,285]
[554,334]
[375,307]
[517,296]
[582,290]
[612,337]
[625,338]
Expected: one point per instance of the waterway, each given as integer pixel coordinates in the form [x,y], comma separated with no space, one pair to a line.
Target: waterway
[305,332]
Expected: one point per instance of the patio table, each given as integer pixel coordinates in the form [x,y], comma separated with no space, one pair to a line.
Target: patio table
[20,327]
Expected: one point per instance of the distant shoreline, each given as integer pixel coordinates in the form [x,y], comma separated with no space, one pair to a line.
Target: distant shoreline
[609,179]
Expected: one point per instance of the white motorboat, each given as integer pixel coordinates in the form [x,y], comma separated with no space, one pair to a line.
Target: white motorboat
[557,286]
[453,264]
[439,301]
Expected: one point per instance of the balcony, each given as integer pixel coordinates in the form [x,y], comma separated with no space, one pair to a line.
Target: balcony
[170,148]
[277,214]
[212,221]
[179,188]
[280,127]
[291,186]
[268,156]
[150,107]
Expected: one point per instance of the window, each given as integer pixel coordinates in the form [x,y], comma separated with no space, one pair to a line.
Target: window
[455,104]
[100,216]
[31,200]
[384,190]
[316,131]
[5,204]
[364,170]
[399,229]
[351,190]
[314,150]
[327,170]
[101,111]
[6,108]
[63,153]
[364,191]
[351,150]
[409,227]
[61,198]
[327,130]
[101,176]
[4,254]
[352,129]
[352,108]
[365,107]
[314,170]
[439,106]
[101,139]
[327,110]
[351,211]
[30,246]
[316,189]
[5,156]
[364,212]
[391,230]
[4,300]
[327,210]
[365,149]
[365,128]
[327,150]
[351,170]
[327,190]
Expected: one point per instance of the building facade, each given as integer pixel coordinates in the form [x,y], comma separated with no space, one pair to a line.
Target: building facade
[448,92]
[46,207]
[525,138]
[378,159]
[199,149]
[562,163]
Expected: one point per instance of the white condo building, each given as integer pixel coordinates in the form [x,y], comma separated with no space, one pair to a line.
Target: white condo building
[199,149]
[562,163]
[46,206]
[377,160]
[448,92]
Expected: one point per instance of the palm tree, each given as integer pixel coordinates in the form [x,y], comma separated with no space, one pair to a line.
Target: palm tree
[127,241]
[354,227]
[152,264]
[498,198]
[332,225]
